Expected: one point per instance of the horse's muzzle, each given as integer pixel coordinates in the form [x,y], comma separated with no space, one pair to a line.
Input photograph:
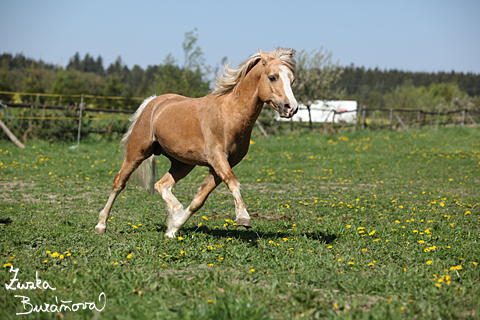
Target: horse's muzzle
[287,111]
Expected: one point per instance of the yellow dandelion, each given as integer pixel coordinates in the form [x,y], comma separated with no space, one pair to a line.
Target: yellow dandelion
[429,262]
[7,265]
[251,271]
[54,255]
[130,255]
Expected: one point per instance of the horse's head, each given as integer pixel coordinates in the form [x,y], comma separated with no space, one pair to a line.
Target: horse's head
[275,87]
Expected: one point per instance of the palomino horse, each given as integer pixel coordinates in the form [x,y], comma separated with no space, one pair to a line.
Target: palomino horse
[213,131]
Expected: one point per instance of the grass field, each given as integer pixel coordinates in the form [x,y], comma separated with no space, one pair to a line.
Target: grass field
[367,226]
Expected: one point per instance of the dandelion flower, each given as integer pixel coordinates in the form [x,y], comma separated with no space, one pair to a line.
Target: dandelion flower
[130,255]
[429,262]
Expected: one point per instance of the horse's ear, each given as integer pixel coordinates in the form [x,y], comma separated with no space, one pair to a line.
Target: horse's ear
[265,59]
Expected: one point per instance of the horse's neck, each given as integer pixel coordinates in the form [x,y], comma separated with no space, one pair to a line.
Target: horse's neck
[248,104]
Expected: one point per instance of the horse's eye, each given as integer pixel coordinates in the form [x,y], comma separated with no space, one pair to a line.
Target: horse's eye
[272,78]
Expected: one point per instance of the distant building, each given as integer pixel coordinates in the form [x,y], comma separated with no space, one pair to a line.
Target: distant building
[322,111]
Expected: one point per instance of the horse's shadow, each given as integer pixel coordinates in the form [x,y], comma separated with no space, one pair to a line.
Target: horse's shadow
[250,236]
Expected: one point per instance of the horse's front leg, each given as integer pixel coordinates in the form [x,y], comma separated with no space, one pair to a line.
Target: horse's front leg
[224,170]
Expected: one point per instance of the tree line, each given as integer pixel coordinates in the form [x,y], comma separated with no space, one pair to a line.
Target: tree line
[318,78]
[87,75]
[383,88]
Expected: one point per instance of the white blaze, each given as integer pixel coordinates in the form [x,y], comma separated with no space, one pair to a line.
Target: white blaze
[284,75]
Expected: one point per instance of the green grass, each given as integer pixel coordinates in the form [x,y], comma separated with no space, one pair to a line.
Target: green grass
[367,226]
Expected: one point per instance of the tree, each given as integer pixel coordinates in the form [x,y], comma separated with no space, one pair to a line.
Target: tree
[315,77]
[193,54]
[4,85]
[74,62]
[444,96]
[189,80]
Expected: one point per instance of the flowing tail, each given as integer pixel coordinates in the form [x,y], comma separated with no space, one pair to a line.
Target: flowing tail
[146,172]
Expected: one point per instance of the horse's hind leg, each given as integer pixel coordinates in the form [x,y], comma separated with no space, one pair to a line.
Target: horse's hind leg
[178,170]
[134,156]
[178,219]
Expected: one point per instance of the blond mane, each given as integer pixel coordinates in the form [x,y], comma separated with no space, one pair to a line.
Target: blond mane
[230,77]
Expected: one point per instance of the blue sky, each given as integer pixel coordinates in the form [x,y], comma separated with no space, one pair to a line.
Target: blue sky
[419,35]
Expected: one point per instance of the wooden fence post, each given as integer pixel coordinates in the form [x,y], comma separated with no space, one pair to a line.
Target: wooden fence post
[356,120]
[11,135]
[471,119]
[438,119]
[391,118]
[364,115]
[80,121]
[401,122]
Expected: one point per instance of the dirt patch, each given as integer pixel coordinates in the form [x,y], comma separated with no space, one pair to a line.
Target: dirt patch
[7,188]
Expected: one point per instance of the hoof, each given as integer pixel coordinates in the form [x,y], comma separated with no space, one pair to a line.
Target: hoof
[99,230]
[170,235]
[242,222]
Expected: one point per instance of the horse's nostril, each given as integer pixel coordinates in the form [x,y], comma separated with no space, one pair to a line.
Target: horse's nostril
[287,106]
